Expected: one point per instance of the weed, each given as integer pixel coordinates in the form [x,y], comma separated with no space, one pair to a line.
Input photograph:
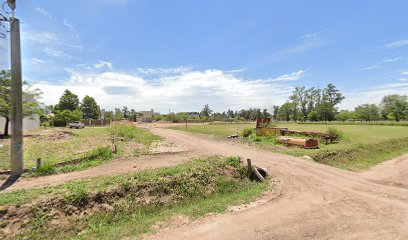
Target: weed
[46,168]
[335,131]
[247,131]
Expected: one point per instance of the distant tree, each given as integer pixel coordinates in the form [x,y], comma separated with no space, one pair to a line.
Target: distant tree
[394,106]
[133,115]
[30,99]
[68,101]
[125,112]
[344,115]
[275,112]
[61,117]
[286,111]
[326,107]
[313,116]
[108,115]
[265,113]
[230,113]
[206,112]
[118,114]
[90,108]
[367,112]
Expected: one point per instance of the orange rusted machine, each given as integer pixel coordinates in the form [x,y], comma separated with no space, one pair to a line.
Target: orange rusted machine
[263,128]
[306,143]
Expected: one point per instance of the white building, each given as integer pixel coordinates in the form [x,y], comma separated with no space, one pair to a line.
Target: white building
[29,123]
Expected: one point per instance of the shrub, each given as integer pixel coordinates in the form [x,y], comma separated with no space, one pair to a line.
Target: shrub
[46,168]
[247,131]
[336,131]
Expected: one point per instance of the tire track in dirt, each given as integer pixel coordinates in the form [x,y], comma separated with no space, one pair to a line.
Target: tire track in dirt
[317,201]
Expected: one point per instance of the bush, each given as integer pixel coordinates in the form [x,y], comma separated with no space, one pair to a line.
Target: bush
[336,131]
[247,131]
[46,168]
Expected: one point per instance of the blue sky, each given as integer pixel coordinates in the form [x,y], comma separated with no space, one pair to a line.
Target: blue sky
[180,55]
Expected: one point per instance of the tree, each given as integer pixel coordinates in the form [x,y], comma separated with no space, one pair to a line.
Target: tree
[300,99]
[313,116]
[275,112]
[326,107]
[344,115]
[90,108]
[367,112]
[108,115]
[61,117]
[118,114]
[30,97]
[395,106]
[286,111]
[206,112]
[68,101]
[125,111]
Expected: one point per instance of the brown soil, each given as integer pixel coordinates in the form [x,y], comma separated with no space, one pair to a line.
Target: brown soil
[316,201]
[52,135]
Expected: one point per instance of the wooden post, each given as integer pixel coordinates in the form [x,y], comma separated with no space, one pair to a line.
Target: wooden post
[249,167]
[38,163]
[113,145]
[186,124]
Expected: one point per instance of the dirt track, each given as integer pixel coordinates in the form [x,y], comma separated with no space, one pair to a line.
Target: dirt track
[316,202]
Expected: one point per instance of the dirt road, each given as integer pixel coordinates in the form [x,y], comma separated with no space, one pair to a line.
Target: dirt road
[316,202]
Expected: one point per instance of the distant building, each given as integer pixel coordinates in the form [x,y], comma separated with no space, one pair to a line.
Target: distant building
[145,116]
[29,123]
[194,114]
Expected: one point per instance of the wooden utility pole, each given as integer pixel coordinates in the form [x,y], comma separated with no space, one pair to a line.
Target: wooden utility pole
[17,166]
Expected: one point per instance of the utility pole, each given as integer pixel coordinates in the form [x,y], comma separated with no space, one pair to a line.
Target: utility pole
[17,166]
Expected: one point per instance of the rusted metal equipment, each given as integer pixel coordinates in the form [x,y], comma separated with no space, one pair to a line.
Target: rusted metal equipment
[329,138]
[262,122]
[306,143]
[264,131]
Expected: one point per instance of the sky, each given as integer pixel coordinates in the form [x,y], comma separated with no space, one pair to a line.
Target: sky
[182,54]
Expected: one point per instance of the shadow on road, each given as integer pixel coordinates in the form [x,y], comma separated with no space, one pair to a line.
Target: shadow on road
[9,182]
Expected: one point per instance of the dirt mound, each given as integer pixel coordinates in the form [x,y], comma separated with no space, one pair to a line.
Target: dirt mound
[59,210]
[53,135]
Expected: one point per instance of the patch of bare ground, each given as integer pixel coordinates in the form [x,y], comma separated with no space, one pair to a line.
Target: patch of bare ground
[316,202]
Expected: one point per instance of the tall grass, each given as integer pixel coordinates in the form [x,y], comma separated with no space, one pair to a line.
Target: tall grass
[128,130]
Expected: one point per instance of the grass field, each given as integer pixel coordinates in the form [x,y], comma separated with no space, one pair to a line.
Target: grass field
[363,146]
[87,147]
[121,206]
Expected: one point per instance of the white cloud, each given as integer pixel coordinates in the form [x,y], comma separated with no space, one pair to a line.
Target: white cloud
[380,63]
[397,44]
[186,91]
[162,71]
[101,64]
[372,94]
[55,53]
[310,36]
[290,77]
[38,61]
[404,73]
[44,12]
[403,79]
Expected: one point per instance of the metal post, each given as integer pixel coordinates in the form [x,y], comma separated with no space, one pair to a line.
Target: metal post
[16,101]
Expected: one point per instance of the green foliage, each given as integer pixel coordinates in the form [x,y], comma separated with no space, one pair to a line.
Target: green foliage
[90,108]
[191,189]
[129,131]
[335,131]
[247,131]
[367,112]
[62,117]
[46,168]
[31,105]
[68,101]
[395,107]
[206,112]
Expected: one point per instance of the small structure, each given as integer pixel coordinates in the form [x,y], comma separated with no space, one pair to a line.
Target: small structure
[306,143]
[145,116]
[29,123]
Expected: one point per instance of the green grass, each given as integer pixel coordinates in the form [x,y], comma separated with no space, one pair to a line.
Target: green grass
[218,130]
[195,188]
[80,150]
[354,152]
